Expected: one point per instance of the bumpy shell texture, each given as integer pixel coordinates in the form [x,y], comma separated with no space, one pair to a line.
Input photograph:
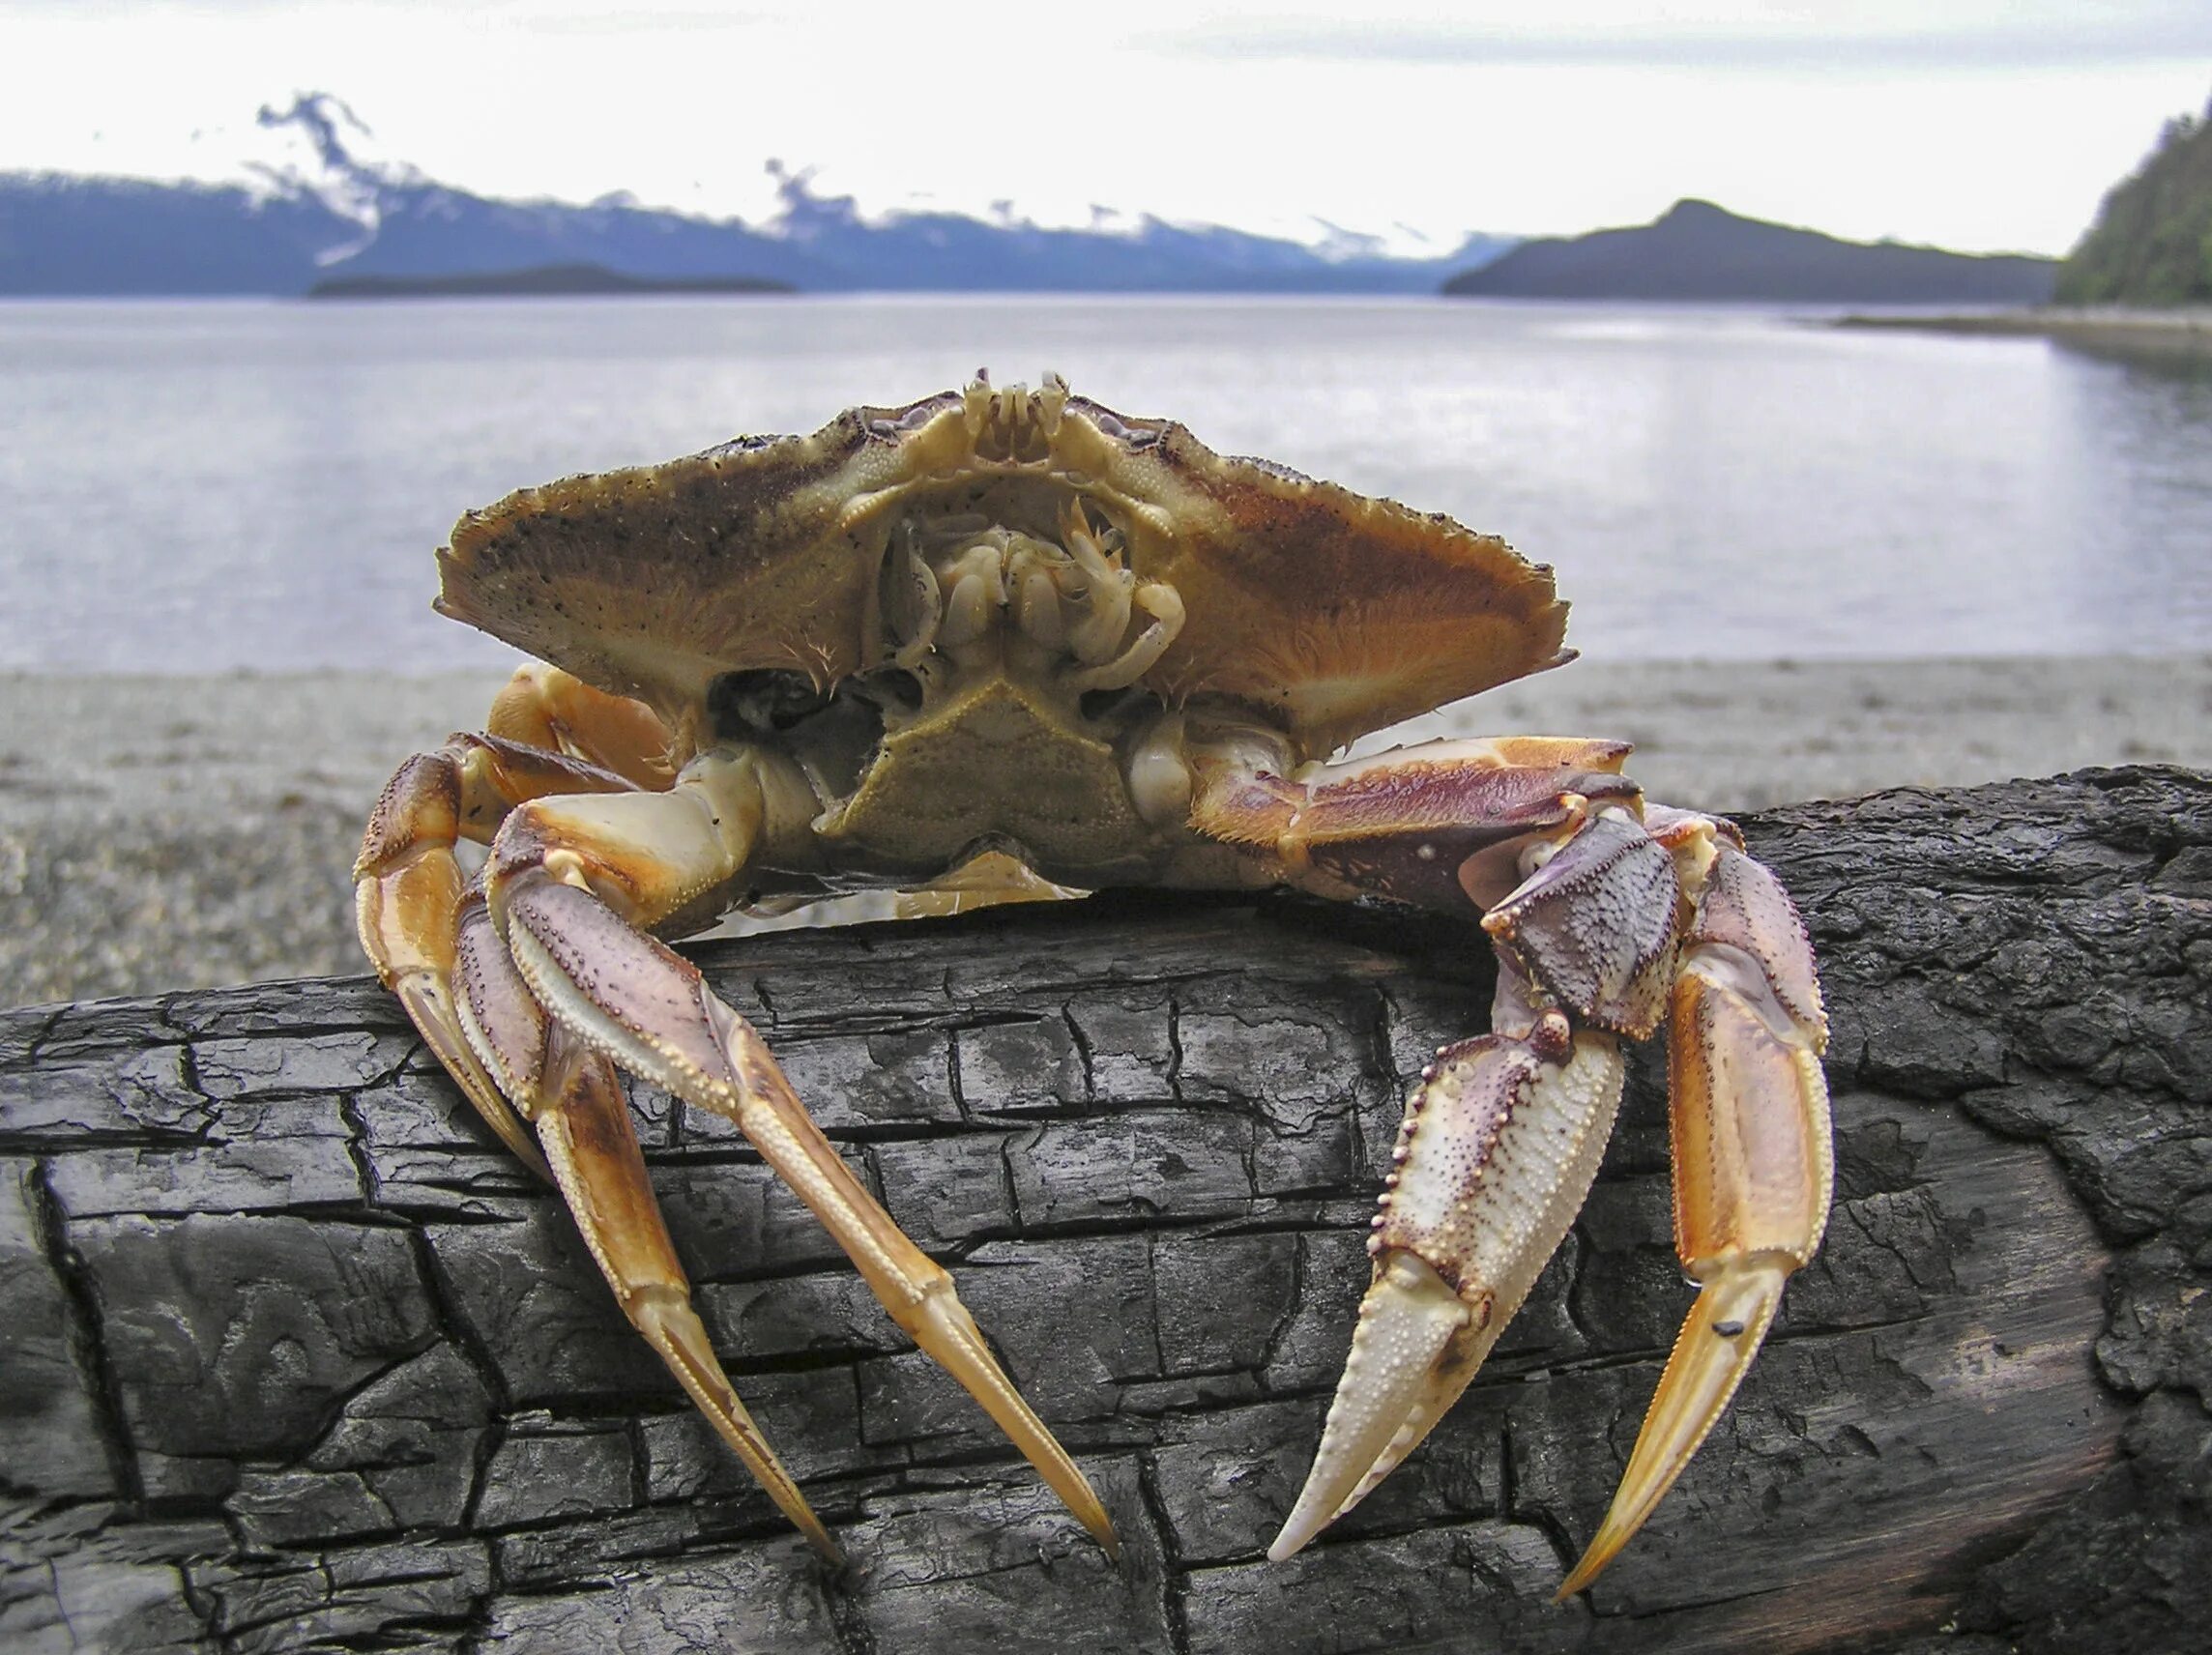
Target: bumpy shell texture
[1334,613]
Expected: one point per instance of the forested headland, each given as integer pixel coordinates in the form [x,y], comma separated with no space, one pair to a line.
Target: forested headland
[2151,244]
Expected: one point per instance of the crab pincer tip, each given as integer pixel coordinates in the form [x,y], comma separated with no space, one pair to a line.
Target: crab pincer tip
[1406,1320]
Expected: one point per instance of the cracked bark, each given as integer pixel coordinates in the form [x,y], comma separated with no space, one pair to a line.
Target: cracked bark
[291,1357]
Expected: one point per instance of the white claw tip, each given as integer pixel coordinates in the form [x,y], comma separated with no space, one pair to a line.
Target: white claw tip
[1406,1320]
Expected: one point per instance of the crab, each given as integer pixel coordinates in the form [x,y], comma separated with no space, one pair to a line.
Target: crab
[1002,644]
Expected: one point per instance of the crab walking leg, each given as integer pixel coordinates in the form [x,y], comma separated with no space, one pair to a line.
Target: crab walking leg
[572,879]
[548,732]
[570,1094]
[1754,1162]
[408,886]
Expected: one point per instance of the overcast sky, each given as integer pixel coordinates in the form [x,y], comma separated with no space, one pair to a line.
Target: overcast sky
[1997,127]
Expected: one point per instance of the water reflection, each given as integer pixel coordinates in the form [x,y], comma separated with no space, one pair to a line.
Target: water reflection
[194,486]
[2147,419]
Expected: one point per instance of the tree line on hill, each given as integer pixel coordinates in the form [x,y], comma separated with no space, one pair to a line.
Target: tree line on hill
[2152,239]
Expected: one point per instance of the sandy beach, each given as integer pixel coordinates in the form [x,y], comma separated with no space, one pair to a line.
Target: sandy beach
[176,832]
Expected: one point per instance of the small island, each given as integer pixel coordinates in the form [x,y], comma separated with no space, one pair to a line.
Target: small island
[539,282]
[1698,252]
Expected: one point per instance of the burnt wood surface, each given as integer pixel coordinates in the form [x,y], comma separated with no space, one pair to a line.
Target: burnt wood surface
[293,1358]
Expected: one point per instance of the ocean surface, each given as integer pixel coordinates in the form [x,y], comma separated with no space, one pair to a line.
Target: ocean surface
[218,485]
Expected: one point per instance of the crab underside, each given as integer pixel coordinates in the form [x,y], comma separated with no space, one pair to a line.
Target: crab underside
[1001,645]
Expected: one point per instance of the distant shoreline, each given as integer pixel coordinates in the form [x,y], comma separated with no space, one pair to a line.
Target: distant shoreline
[538,281]
[2184,333]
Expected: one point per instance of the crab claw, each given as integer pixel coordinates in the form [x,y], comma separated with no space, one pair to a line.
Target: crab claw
[1499,1147]
[1753,1165]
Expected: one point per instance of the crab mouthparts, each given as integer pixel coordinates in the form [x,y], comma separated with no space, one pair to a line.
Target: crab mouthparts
[956,591]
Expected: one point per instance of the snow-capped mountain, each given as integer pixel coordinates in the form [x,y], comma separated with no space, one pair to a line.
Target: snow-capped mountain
[315,153]
[305,196]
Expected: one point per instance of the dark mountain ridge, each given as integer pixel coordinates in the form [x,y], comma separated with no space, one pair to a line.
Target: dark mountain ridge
[1698,251]
[120,237]
[330,215]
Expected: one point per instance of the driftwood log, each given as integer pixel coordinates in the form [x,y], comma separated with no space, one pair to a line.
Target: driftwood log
[293,1358]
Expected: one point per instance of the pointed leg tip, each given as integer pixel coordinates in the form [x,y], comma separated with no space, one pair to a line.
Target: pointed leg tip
[1083,1502]
[673,1329]
[825,1544]
[431,1007]
[948,1336]
[827,1549]
[1711,1354]
[531,1159]
[1601,1551]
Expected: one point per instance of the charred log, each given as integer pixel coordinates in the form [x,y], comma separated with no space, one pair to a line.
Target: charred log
[293,1357]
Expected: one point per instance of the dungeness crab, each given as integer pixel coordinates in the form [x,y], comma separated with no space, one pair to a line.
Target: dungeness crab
[1001,636]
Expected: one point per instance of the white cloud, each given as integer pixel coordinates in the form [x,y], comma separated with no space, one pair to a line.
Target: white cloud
[1962,35]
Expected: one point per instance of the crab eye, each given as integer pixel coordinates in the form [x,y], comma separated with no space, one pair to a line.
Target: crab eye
[1120,430]
[912,419]
[745,445]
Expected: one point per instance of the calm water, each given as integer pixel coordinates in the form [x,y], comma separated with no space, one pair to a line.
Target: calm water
[189,486]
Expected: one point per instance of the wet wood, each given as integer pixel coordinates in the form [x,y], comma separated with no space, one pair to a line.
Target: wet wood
[293,1358]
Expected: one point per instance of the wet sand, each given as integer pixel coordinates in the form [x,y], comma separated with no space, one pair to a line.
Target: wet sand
[170,834]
